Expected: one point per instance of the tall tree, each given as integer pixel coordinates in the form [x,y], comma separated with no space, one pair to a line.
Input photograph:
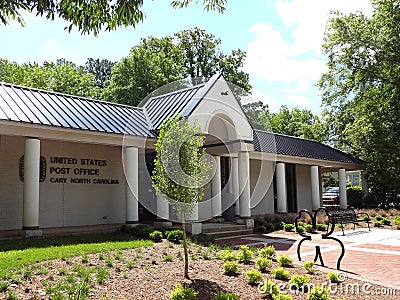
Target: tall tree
[257,113]
[156,62]
[101,69]
[90,15]
[151,64]
[60,76]
[180,170]
[297,122]
[361,92]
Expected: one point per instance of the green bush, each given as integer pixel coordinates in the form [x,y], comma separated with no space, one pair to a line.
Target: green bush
[156,236]
[334,277]
[378,224]
[230,268]
[299,281]
[321,227]
[309,267]
[397,221]
[269,288]
[285,260]
[175,236]
[267,252]
[386,221]
[280,273]
[227,255]
[354,196]
[379,218]
[263,226]
[245,254]
[180,292]
[253,276]
[366,218]
[288,227]
[263,263]
[318,293]
[139,231]
[225,296]
[282,297]
[309,228]
[300,229]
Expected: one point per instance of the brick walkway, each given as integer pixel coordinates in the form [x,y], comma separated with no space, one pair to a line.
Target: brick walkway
[370,256]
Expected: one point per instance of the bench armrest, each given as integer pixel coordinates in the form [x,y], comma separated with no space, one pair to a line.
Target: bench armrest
[363,215]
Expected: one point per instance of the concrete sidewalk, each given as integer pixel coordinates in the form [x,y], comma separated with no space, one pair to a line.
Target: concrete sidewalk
[372,256]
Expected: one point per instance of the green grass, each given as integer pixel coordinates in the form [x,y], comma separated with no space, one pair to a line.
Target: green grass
[18,253]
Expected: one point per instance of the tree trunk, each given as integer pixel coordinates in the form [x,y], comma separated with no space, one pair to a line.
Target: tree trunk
[185,247]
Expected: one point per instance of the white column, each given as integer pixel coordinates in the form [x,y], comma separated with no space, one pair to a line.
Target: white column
[342,189]
[30,219]
[216,203]
[244,184]
[315,194]
[132,185]
[281,188]
[235,184]
[162,208]
[364,185]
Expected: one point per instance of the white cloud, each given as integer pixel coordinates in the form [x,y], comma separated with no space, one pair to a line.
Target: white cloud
[290,54]
[258,95]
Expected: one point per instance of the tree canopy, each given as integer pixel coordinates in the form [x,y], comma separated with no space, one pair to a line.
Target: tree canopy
[60,76]
[361,92]
[90,16]
[155,62]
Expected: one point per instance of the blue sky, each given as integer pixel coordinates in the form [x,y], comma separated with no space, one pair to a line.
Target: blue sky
[282,39]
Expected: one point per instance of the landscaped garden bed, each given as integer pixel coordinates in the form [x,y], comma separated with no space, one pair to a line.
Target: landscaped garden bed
[142,270]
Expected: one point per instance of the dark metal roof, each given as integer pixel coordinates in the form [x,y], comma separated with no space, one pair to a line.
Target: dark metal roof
[34,106]
[287,145]
[161,107]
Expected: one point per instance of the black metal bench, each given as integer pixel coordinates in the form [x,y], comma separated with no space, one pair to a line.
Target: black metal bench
[348,216]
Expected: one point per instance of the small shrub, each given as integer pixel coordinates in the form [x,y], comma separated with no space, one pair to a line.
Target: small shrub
[269,288]
[300,229]
[179,292]
[118,255]
[267,252]
[309,228]
[309,267]
[109,262]
[379,218]
[85,259]
[378,224]
[318,293]
[156,236]
[253,276]
[280,273]
[386,221]
[397,221]
[225,296]
[366,218]
[230,268]
[101,275]
[175,236]
[12,296]
[334,277]
[285,260]
[299,281]
[321,227]
[287,227]
[263,263]
[245,254]
[130,265]
[227,255]
[168,258]
[141,230]
[4,286]
[282,297]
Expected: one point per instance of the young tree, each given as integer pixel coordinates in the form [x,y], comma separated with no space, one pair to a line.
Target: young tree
[180,170]
[90,15]
[361,92]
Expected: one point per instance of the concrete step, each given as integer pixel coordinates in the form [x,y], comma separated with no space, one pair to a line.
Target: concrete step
[230,233]
[222,227]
